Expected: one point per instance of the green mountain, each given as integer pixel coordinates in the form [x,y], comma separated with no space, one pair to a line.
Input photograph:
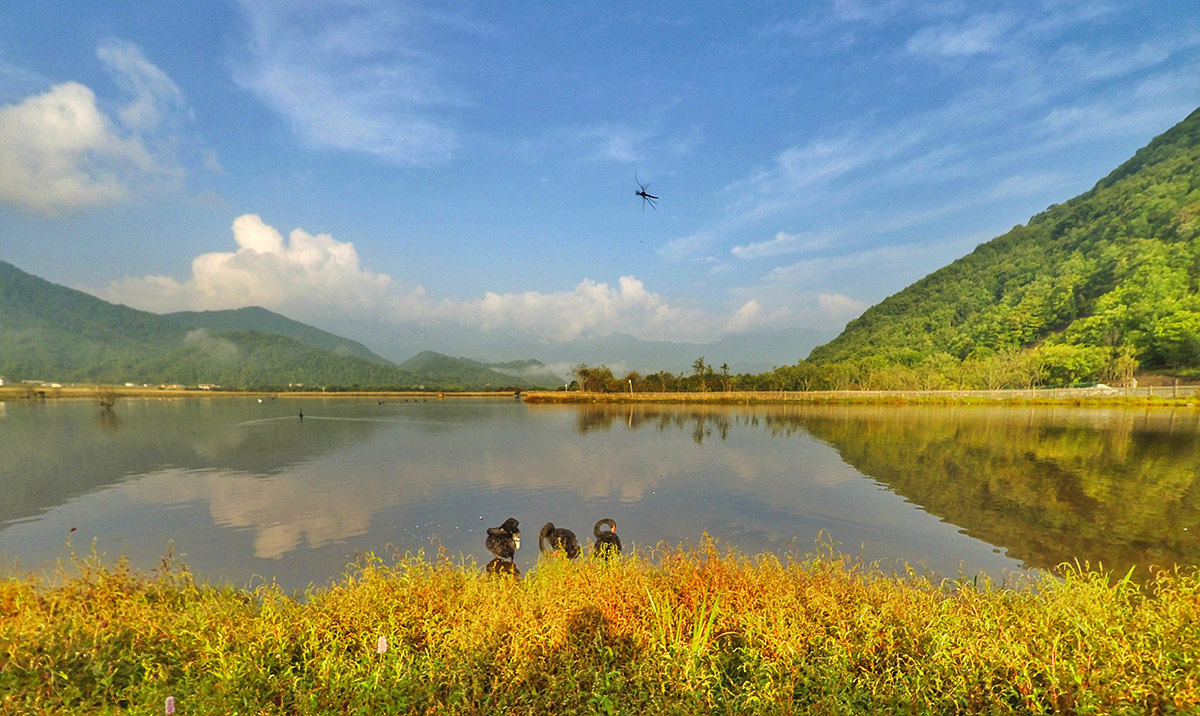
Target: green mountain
[50,332]
[461,373]
[260,320]
[1111,275]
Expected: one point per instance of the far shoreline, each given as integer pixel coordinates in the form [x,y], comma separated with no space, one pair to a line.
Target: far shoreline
[1176,396]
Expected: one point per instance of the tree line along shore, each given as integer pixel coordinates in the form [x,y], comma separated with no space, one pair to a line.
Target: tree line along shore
[1177,395]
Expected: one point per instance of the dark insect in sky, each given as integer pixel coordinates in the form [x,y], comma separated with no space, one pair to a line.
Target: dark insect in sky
[647,198]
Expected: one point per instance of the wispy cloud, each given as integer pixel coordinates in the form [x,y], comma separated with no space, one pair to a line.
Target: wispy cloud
[154,97]
[353,77]
[972,35]
[781,243]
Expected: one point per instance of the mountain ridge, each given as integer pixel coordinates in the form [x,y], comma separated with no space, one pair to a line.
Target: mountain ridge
[1113,273]
[48,331]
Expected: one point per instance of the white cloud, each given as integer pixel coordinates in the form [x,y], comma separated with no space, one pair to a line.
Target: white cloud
[155,96]
[60,152]
[782,243]
[591,309]
[306,274]
[752,316]
[975,35]
[350,77]
[316,278]
[840,307]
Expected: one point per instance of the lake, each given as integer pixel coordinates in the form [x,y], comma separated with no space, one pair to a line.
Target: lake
[248,491]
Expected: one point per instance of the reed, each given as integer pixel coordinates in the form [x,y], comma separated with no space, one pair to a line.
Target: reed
[675,629]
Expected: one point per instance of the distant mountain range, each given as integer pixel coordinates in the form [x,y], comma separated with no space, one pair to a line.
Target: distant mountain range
[50,332]
[747,353]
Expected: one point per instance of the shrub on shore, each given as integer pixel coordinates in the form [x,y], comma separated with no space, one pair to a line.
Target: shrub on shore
[684,629]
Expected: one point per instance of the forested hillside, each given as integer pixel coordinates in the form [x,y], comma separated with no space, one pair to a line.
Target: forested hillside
[1089,289]
[50,332]
[260,320]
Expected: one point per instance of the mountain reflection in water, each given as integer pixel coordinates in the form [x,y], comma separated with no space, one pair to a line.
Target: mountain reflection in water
[1050,485]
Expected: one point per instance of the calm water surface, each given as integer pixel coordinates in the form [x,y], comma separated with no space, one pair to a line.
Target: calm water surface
[247,490]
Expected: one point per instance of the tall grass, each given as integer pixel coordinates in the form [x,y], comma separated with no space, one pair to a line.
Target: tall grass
[687,629]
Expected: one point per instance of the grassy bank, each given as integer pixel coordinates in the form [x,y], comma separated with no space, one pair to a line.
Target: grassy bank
[1188,397]
[673,630]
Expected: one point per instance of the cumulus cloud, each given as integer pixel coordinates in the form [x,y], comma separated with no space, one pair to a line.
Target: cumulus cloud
[319,278]
[266,270]
[351,77]
[60,152]
[591,309]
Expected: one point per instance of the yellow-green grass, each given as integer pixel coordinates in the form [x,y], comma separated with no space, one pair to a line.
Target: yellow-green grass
[685,629]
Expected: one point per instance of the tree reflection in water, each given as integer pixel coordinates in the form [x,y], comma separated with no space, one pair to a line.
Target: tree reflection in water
[1111,487]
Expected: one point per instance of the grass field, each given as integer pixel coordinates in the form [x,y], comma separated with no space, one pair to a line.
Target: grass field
[685,629]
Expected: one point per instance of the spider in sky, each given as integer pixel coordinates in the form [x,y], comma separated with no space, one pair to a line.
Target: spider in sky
[647,198]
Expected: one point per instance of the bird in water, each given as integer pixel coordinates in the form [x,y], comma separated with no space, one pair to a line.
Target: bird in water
[607,541]
[505,540]
[551,539]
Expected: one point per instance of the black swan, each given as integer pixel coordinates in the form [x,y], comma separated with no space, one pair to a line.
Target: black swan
[505,540]
[552,539]
[607,541]
[502,566]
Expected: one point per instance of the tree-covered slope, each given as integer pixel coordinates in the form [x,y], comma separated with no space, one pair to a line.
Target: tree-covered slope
[50,332]
[1113,272]
[260,320]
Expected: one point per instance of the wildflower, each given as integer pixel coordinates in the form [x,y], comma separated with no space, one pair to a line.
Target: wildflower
[381,647]
[170,705]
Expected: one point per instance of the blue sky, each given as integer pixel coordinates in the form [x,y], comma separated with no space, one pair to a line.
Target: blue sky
[372,167]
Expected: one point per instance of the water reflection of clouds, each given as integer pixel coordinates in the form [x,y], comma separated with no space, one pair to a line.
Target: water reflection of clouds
[334,496]
[308,492]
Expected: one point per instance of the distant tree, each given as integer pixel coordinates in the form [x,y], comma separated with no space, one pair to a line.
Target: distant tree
[594,380]
[726,378]
[700,370]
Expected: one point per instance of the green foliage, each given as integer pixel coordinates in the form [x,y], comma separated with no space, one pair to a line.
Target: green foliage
[1117,268]
[254,319]
[680,630]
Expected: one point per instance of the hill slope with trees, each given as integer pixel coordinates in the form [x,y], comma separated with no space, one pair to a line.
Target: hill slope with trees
[260,320]
[50,332]
[1087,290]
